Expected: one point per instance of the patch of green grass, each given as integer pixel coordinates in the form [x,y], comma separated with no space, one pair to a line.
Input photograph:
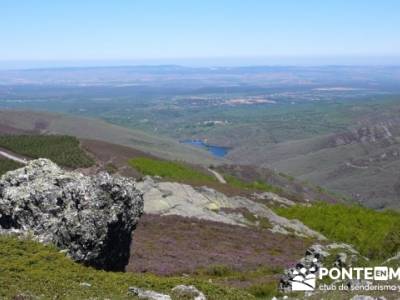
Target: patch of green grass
[252,218]
[111,168]
[179,171]
[264,290]
[8,165]
[287,176]
[30,268]
[169,169]
[375,234]
[249,216]
[61,149]
[255,185]
[264,283]
[219,271]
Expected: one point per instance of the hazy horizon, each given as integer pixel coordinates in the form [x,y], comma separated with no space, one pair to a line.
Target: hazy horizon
[206,33]
[207,62]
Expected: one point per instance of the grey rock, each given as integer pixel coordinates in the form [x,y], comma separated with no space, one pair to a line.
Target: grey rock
[188,292]
[342,246]
[341,260]
[361,297]
[147,294]
[313,260]
[172,198]
[309,264]
[91,217]
[25,297]
[85,284]
[393,258]
[274,198]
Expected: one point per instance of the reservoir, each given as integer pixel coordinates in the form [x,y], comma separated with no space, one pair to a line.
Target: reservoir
[213,149]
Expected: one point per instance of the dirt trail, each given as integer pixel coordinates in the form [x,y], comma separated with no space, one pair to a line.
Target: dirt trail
[219,177]
[13,157]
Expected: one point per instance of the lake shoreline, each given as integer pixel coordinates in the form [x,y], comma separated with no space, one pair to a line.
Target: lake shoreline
[215,150]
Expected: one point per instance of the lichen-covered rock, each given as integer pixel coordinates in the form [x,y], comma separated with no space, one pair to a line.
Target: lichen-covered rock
[91,217]
[173,198]
[188,292]
[147,294]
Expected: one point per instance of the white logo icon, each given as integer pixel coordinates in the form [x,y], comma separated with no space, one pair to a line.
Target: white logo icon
[305,279]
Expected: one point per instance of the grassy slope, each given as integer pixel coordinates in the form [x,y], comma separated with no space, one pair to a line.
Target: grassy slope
[7,165]
[170,170]
[100,130]
[178,171]
[254,185]
[27,267]
[63,150]
[375,234]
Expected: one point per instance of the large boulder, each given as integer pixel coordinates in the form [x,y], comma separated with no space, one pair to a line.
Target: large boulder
[91,217]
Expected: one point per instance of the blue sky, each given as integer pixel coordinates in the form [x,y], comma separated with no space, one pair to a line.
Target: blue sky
[213,30]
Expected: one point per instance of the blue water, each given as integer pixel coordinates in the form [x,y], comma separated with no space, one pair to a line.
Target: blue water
[213,149]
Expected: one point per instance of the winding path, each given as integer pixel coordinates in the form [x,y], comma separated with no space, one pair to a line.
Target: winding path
[13,157]
[219,177]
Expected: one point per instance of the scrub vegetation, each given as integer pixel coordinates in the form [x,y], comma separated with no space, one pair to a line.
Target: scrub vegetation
[169,169]
[375,234]
[254,185]
[61,149]
[31,269]
[8,165]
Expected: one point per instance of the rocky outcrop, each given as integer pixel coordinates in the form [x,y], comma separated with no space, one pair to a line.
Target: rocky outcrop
[143,294]
[91,218]
[274,199]
[367,134]
[188,292]
[181,291]
[306,270]
[171,198]
[362,297]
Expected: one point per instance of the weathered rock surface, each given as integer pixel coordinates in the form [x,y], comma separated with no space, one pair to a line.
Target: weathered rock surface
[171,198]
[274,198]
[188,292]
[362,297]
[367,134]
[147,294]
[92,218]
